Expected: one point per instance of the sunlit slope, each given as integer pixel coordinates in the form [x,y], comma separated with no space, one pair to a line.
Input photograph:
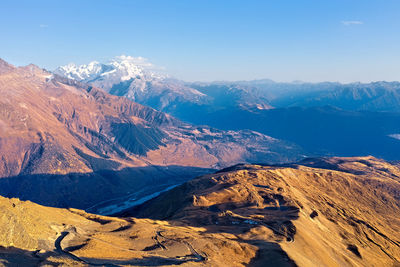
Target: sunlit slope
[333,212]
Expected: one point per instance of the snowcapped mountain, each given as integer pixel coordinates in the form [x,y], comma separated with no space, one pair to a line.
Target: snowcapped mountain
[139,80]
[135,78]
[119,69]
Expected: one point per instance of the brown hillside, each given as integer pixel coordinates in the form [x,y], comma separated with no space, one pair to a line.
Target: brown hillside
[333,212]
[339,212]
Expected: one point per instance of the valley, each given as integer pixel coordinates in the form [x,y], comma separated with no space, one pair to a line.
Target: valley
[199,133]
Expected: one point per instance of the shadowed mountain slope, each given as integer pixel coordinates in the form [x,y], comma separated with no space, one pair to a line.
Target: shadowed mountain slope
[321,131]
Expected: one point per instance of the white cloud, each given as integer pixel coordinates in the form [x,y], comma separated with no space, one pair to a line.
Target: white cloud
[43,26]
[352,22]
[138,61]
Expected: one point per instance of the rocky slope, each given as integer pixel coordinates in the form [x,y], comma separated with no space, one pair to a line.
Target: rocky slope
[319,212]
[67,133]
[33,235]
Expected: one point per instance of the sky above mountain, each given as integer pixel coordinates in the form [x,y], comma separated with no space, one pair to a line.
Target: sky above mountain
[307,40]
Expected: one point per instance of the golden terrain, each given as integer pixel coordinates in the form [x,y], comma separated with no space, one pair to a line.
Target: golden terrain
[319,212]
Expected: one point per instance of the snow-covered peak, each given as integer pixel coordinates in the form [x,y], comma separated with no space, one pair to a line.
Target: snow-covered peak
[132,77]
[119,69]
[134,67]
[83,72]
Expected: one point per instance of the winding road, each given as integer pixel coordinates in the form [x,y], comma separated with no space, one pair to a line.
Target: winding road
[59,249]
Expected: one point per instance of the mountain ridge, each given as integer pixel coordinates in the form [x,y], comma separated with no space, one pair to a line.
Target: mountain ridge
[321,211]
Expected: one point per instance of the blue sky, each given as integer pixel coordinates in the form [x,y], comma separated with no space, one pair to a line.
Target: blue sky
[309,40]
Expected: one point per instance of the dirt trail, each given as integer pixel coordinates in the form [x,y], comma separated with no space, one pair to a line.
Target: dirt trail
[60,250]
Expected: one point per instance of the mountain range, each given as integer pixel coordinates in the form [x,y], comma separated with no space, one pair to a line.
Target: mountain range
[325,119]
[60,139]
[136,79]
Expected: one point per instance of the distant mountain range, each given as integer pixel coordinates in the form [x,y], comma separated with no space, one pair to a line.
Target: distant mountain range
[323,118]
[135,79]
[376,96]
